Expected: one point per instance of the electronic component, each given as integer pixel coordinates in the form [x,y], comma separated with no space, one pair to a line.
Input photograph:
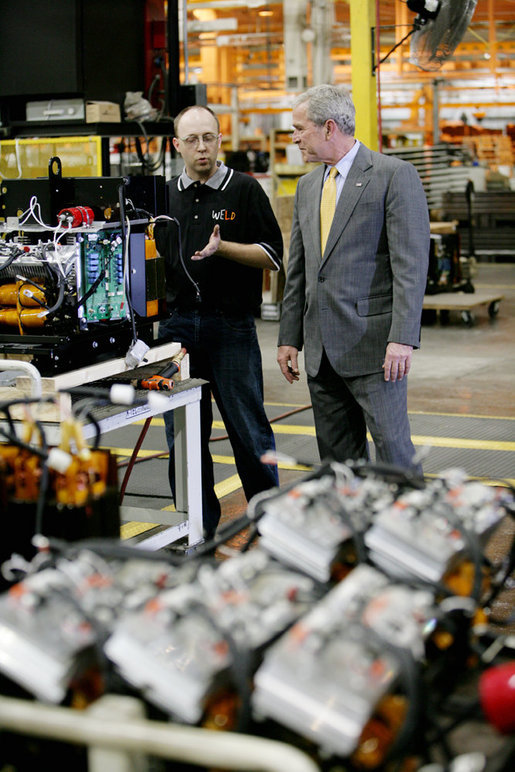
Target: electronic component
[53,621]
[102,277]
[308,525]
[78,259]
[42,633]
[351,669]
[76,216]
[71,499]
[181,647]
[425,534]
[64,286]
[325,677]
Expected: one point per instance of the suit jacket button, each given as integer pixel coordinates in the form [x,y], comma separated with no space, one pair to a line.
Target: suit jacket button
[321,279]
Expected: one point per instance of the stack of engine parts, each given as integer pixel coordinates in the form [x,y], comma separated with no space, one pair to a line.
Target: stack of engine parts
[69,491]
[360,604]
[78,265]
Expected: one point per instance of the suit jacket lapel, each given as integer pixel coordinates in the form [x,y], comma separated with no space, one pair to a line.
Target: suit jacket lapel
[313,193]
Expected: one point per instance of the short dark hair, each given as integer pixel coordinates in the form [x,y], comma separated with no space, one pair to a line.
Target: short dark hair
[183,112]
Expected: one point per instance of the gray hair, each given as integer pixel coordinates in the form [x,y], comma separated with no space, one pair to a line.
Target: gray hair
[326,102]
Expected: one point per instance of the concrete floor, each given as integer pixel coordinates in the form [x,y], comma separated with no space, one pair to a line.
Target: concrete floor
[458,369]
[461,386]
[461,405]
[460,399]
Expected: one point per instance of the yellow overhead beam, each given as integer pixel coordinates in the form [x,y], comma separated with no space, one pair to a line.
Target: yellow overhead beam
[364,86]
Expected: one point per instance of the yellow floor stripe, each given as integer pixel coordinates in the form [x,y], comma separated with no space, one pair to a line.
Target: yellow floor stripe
[230,460]
[217,459]
[309,431]
[467,444]
[225,487]
[127,452]
[129,530]
[220,424]
[232,484]
[463,415]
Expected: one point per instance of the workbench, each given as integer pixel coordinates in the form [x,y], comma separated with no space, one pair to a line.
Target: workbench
[464,302]
[186,521]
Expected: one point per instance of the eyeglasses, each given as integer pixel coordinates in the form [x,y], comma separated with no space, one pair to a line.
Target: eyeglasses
[193,140]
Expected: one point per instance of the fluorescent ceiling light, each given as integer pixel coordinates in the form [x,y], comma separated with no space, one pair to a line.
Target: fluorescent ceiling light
[213,25]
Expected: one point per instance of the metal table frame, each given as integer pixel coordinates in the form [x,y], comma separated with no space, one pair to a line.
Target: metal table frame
[186,521]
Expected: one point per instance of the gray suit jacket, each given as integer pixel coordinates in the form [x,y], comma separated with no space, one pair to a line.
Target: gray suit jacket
[368,287]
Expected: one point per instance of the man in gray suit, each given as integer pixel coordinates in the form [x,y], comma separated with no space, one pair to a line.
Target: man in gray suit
[355,304]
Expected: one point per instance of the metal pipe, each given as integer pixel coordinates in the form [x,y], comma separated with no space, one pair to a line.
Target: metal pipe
[436,110]
[185,48]
[174,57]
[30,370]
[203,747]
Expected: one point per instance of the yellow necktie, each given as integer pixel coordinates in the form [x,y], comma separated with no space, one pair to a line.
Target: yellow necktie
[327,206]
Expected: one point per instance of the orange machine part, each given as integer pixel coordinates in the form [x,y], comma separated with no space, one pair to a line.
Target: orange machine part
[12,294]
[151,254]
[27,317]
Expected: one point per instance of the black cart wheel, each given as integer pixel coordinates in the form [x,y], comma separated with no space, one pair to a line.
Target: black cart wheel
[468,318]
[493,308]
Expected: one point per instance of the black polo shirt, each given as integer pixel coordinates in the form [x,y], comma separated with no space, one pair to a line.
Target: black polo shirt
[238,204]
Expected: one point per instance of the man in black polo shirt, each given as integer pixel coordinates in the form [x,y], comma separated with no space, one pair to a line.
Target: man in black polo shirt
[222,235]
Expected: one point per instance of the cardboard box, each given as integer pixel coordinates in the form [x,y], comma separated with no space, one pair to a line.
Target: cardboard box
[102,112]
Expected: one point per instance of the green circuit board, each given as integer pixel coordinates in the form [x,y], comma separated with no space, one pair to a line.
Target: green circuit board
[102,276]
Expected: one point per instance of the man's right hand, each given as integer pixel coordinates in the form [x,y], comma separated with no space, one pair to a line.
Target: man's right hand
[287,361]
[211,246]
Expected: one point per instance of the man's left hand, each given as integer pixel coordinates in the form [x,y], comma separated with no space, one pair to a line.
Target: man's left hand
[211,246]
[397,361]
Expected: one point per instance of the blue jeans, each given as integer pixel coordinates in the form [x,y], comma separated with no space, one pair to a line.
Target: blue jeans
[224,350]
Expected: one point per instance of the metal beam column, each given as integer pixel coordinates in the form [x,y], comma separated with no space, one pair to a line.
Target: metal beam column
[364,88]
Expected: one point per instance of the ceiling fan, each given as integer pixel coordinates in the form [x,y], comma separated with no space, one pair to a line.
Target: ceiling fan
[437,29]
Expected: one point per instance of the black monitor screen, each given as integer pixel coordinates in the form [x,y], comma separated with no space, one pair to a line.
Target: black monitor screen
[92,49]
[38,48]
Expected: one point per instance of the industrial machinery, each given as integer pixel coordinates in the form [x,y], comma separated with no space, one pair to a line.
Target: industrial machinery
[352,650]
[78,264]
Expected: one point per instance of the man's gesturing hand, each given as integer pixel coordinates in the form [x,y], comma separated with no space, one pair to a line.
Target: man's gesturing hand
[211,246]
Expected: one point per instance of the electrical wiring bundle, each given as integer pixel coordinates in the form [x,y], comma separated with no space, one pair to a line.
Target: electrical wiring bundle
[353,655]
[78,262]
